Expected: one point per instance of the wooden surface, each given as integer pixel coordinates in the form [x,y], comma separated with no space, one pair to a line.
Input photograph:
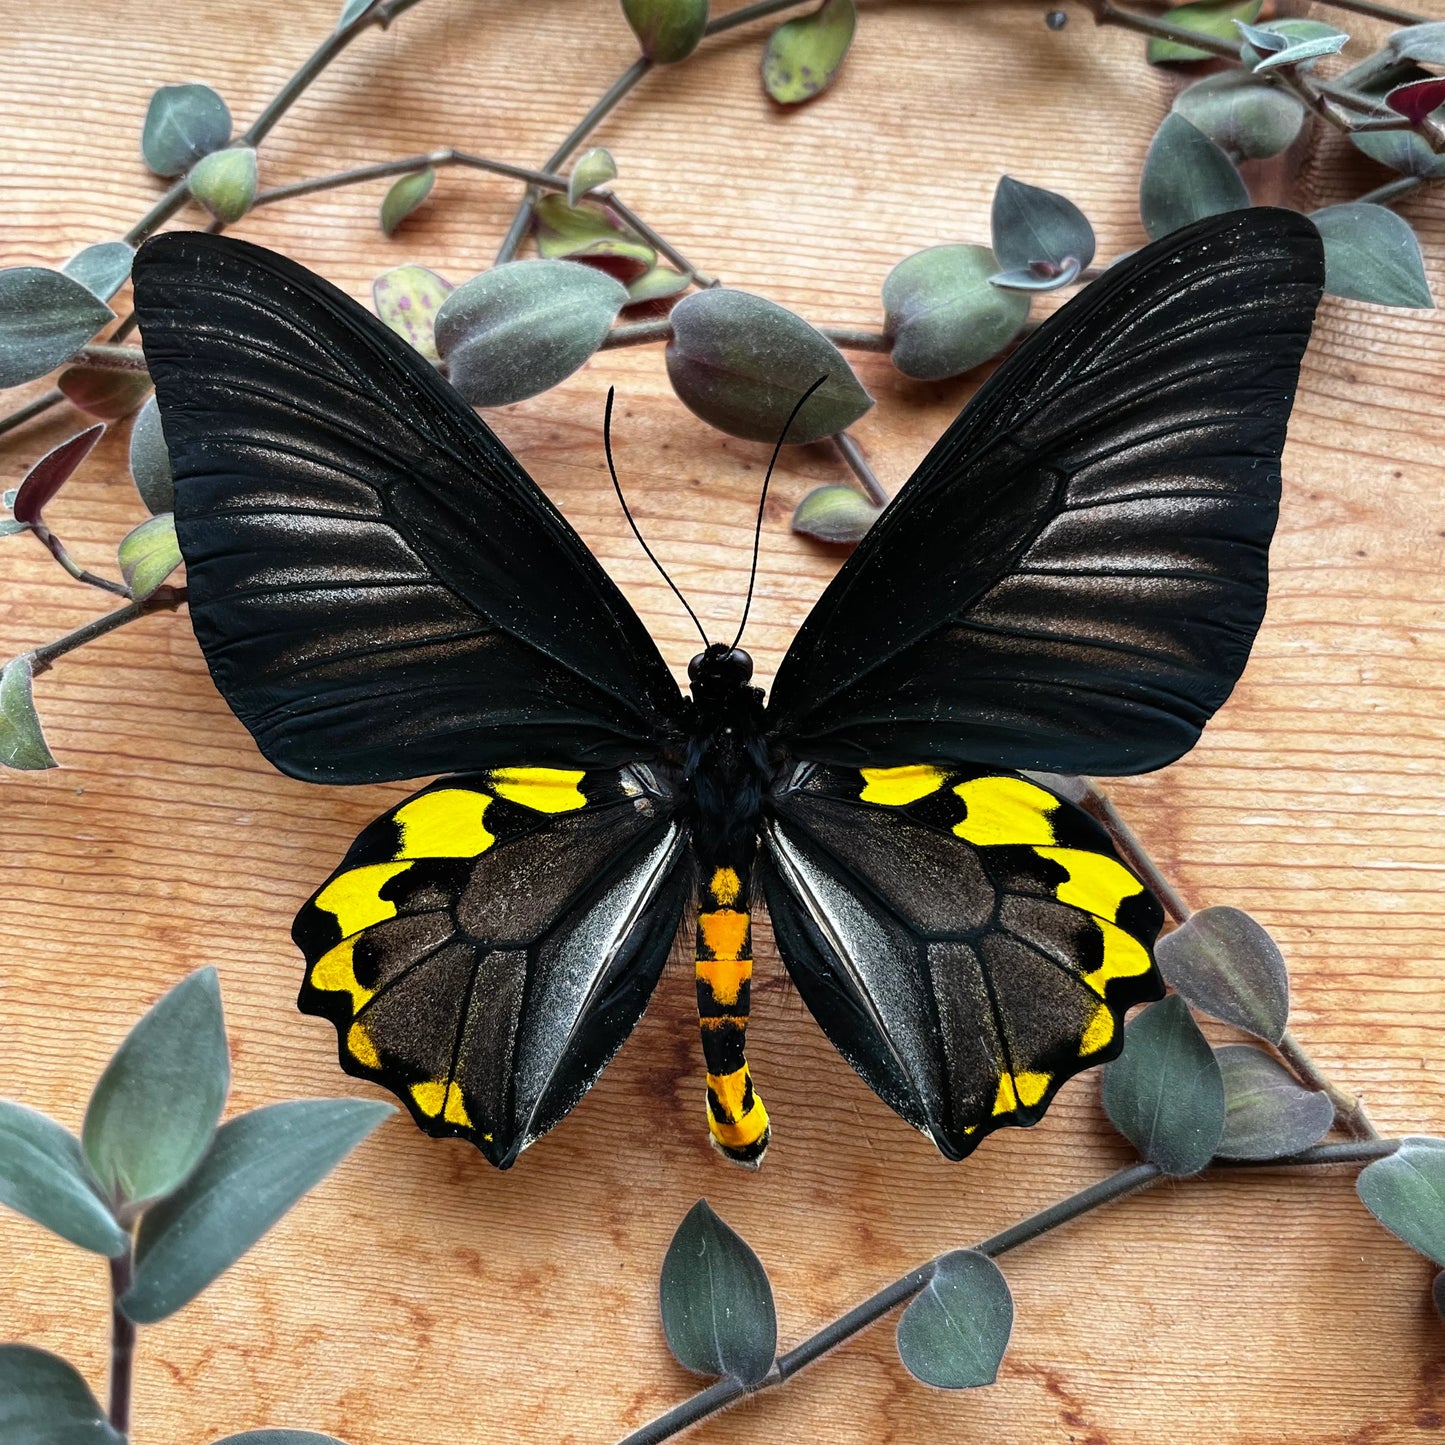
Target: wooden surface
[419,1296]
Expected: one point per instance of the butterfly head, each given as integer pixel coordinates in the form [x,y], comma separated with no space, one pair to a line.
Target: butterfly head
[719,670]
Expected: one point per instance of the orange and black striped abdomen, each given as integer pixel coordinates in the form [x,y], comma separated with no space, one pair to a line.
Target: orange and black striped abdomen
[736,1118]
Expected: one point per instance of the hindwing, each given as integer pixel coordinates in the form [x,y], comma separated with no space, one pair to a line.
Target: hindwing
[487,946]
[966,938]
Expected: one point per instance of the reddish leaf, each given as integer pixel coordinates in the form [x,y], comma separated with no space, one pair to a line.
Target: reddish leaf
[1417,99]
[51,472]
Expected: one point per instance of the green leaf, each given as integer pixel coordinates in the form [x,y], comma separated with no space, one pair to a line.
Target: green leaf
[1406,151]
[150,462]
[717,1304]
[155,1108]
[667,30]
[259,1165]
[1041,276]
[742,363]
[405,194]
[1406,1192]
[1203,18]
[22,744]
[1165,1093]
[224,182]
[1031,224]
[835,513]
[1424,44]
[1267,1114]
[594,168]
[659,284]
[104,391]
[1186,178]
[1305,52]
[283,1437]
[1246,118]
[43,1176]
[182,124]
[588,232]
[44,1401]
[943,316]
[148,554]
[1227,966]
[45,318]
[520,328]
[803,56]
[351,12]
[408,298]
[954,1334]
[1371,254]
[102,269]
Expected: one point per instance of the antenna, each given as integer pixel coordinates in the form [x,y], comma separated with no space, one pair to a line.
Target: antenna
[763,498]
[627,512]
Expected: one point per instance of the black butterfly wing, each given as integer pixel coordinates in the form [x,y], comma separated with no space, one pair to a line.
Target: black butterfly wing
[967,939]
[1073,578]
[379,589]
[486,947]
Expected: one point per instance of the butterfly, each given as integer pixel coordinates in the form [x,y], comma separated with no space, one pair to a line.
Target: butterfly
[1070,583]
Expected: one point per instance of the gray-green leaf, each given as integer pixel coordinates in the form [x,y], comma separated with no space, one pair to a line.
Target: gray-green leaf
[954,1334]
[45,318]
[667,30]
[521,328]
[741,363]
[182,124]
[717,1304]
[594,168]
[942,315]
[1246,118]
[835,513]
[1204,17]
[408,298]
[1031,224]
[403,196]
[103,268]
[155,1108]
[22,744]
[44,1401]
[1424,44]
[803,56]
[148,554]
[259,1165]
[1186,178]
[351,12]
[1406,1193]
[1267,1114]
[104,391]
[1226,965]
[225,182]
[150,462]
[659,284]
[1371,254]
[282,1437]
[43,1176]
[1406,151]
[1165,1093]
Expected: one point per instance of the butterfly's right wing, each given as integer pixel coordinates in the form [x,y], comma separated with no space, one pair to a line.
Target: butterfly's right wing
[380,590]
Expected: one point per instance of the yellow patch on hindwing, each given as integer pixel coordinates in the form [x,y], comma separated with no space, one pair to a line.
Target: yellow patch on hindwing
[1098,1032]
[545,790]
[1097,883]
[355,897]
[1004,811]
[435,1097]
[446,823]
[896,787]
[335,972]
[1024,1088]
[361,1048]
[1124,957]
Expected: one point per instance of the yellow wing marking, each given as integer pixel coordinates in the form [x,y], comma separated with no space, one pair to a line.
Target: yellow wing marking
[1096,883]
[546,790]
[1015,1089]
[896,787]
[361,1048]
[725,886]
[1098,1031]
[444,824]
[355,898]
[1124,957]
[435,1097]
[724,932]
[335,972]
[1005,811]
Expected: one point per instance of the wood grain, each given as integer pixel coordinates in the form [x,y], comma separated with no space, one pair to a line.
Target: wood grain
[418,1296]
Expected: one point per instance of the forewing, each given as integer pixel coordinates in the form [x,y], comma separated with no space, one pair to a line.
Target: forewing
[967,939]
[379,588]
[486,947]
[1073,578]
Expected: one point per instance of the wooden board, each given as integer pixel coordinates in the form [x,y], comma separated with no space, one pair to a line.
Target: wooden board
[419,1296]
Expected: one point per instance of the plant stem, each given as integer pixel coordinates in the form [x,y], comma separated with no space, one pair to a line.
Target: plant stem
[164,599]
[1350,1115]
[58,551]
[1129,1180]
[31,409]
[1379,12]
[852,453]
[447,156]
[658,243]
[856,340]
[1098,806]
[122,1345]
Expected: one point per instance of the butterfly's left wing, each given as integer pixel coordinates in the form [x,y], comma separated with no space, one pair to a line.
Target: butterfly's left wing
[486,947]
[967,939]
